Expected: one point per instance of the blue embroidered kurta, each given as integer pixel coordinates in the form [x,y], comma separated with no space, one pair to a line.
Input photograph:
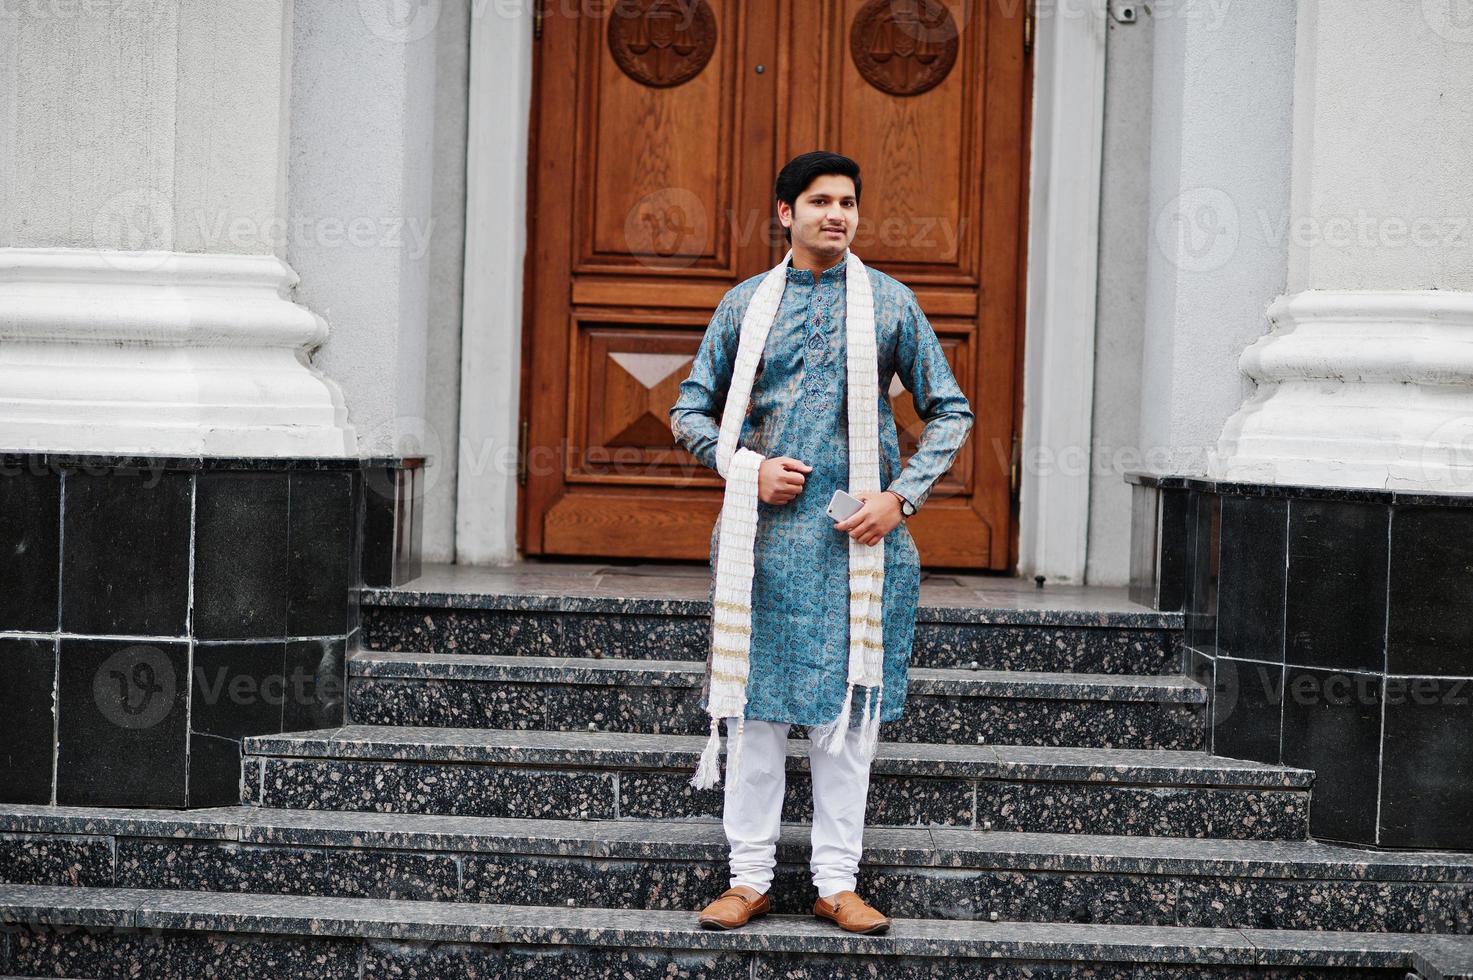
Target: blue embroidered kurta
[800,592]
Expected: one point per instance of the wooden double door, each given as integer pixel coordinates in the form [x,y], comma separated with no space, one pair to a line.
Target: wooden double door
[658,129]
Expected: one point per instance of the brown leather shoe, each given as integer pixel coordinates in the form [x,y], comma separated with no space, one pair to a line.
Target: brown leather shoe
[736,907]
[852,913]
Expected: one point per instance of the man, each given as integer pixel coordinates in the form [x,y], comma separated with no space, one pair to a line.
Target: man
[802,659]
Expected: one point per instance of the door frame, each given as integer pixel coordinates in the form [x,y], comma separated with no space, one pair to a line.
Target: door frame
[497,210]
[1063,266]
[1059,316]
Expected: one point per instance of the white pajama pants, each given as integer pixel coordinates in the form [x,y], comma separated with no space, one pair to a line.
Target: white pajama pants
[752,815]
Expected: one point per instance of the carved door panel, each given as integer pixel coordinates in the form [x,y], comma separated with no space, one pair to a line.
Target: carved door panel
[659,126]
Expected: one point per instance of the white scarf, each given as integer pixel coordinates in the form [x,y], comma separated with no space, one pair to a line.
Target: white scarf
[731,611]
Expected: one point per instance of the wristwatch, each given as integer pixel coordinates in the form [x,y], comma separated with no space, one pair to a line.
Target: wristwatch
[906,507]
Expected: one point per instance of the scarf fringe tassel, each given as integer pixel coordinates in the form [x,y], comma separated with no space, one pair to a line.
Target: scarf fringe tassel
[734,748]
[870,730]
[830,735]
[708,771]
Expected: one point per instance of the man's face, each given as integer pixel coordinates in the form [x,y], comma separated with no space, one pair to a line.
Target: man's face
[825,216]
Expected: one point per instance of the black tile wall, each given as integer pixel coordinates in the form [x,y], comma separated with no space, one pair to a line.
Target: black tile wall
[1199,667]
[1175,524]
[125,544]
[1306,610]
[239,688]
[1430,619]
[178,606]
[392,533]
[1332,724]
[26,706]
[408,545]
[30,540]
[1427,764]
[121,729]
[1145,546]
[1201,594]
[380,528]
[1247,703]
[1250,590]
[319,569]
[1336,595]
[315,672]
[241,556]
[214,771]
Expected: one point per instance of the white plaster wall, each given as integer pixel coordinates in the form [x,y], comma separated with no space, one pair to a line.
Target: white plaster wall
[1120,300]
[359,190]
[1221,124]
[447,267]
[1398,215]
[111,130]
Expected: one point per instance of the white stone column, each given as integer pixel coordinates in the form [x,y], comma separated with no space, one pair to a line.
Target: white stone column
[145,304]
[1222,88]
[1366,378]
[361,181]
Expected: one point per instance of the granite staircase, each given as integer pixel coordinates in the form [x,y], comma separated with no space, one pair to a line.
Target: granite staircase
[509,797]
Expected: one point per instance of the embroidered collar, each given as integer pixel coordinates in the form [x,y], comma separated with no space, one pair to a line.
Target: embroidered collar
[833,274]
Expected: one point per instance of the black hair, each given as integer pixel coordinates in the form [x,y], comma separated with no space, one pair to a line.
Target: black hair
[804,169]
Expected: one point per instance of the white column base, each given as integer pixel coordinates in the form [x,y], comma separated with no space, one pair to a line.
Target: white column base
[1358,389]
[161,353]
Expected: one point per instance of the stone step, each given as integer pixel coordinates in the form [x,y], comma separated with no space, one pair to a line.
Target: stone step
[935,873]
[588,776]
[1115,639]
[91,932]
[663,697]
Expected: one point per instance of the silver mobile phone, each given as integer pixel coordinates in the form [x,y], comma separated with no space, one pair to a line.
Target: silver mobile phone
[843,505]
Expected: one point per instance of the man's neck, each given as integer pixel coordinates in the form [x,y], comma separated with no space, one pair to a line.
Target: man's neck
[814,263]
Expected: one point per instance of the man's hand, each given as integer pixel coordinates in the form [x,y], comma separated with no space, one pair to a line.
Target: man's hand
[877,518]
[780,479]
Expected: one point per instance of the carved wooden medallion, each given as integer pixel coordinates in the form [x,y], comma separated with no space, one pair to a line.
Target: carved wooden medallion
[904,47]
[661,43]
